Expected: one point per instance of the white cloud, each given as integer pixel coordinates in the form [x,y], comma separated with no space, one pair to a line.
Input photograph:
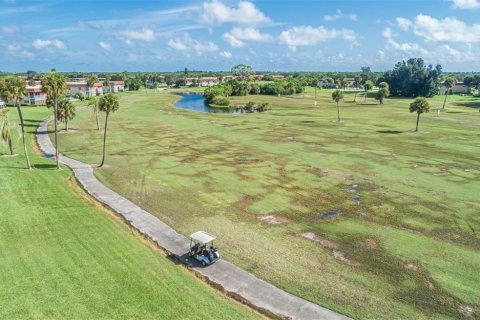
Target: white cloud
[226,54]
[105,46]
[215,13]
[403,23]
[234,42]
[48,44]
[407,47]
[145,34]
[191,46]
[310,36]
[9,29]
[18,50]
[447,30]
[466,4]
[237,36]
[340,15]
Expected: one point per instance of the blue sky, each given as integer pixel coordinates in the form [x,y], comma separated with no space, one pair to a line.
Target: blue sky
[274,35]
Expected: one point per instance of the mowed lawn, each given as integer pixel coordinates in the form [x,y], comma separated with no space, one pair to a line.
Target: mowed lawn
[365,216]
[64,257]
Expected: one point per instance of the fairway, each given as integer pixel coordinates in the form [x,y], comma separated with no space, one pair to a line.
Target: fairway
[63,256]
[365,216]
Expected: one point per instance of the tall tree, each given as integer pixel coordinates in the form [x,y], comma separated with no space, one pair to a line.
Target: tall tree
[412,78]
[367,86]
[420,105]
[337,96]
[5,130]
[55,86]
[108,104]
[449,83]
[14,89]
[91,80]
[345,84]
[242,71]
[66,112]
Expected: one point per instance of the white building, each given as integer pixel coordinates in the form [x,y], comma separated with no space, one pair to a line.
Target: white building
[2,104]
[114,86]
[459,87]
[208,81]
[34,94]
[75,87]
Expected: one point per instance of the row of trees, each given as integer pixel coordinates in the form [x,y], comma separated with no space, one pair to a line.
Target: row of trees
[13,89]
[419,106]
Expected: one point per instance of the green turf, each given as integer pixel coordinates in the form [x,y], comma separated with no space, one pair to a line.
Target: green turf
[63,257]
[409,249]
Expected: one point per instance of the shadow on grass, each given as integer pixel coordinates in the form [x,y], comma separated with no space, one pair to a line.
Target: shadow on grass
[390,131]
[473,104]
[48,166]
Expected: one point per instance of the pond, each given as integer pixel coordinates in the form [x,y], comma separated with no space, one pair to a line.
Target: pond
[196,102]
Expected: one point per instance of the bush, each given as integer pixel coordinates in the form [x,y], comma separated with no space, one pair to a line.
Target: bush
[80,96]
[221,101]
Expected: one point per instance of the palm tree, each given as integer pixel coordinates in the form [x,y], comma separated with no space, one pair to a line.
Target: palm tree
[367,86]
[55,86]
[14,89]
[345,84]
[5,130]
[448,83]
[337,96]
[108,103]
[357,83]
[94,104]
[420,105]
[91,80]
[383,92]
[66,112]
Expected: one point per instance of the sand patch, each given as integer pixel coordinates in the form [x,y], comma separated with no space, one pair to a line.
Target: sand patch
[276,220]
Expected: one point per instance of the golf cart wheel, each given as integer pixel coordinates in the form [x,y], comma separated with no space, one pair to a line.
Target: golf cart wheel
[204,263]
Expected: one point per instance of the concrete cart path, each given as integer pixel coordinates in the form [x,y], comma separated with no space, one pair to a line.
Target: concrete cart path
[236,282]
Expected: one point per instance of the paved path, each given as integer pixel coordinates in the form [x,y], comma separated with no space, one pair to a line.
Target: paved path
[236,282]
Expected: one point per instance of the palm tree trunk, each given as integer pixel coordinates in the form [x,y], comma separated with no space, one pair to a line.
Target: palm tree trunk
[10,146]
[96,117]
[418,119]
[66,125]
[56,130]
[104,139]
[22,126]
[338,113]
[445,101]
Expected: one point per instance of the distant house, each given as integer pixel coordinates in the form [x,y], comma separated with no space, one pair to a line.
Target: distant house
[351,81]
[75,87]
[459,87]
[277,76]
[2,104]
[208,81]
[190,82]
[34,94]
[114,86]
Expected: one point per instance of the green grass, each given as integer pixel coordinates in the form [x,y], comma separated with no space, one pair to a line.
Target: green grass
[65,257]
[409,249]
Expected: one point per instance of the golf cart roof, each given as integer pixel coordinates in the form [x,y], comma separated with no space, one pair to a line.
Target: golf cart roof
[202,236]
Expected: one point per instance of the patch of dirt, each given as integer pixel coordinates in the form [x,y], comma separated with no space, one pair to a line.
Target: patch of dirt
[411,266]
[341,256]
[9,155]
[244,203]
[467,311]
[335,174]
[322,241]
[441,174]
[276,220]
[391,157]
[371,244]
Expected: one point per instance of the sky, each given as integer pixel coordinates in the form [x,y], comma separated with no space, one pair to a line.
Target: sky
[213,35]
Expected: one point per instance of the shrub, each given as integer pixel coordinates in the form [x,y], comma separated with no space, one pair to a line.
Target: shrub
[221,101]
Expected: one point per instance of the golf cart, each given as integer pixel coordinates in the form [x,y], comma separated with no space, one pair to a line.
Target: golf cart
[199,249]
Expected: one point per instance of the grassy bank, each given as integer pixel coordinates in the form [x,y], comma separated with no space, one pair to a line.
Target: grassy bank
[363,216]
[65,257]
